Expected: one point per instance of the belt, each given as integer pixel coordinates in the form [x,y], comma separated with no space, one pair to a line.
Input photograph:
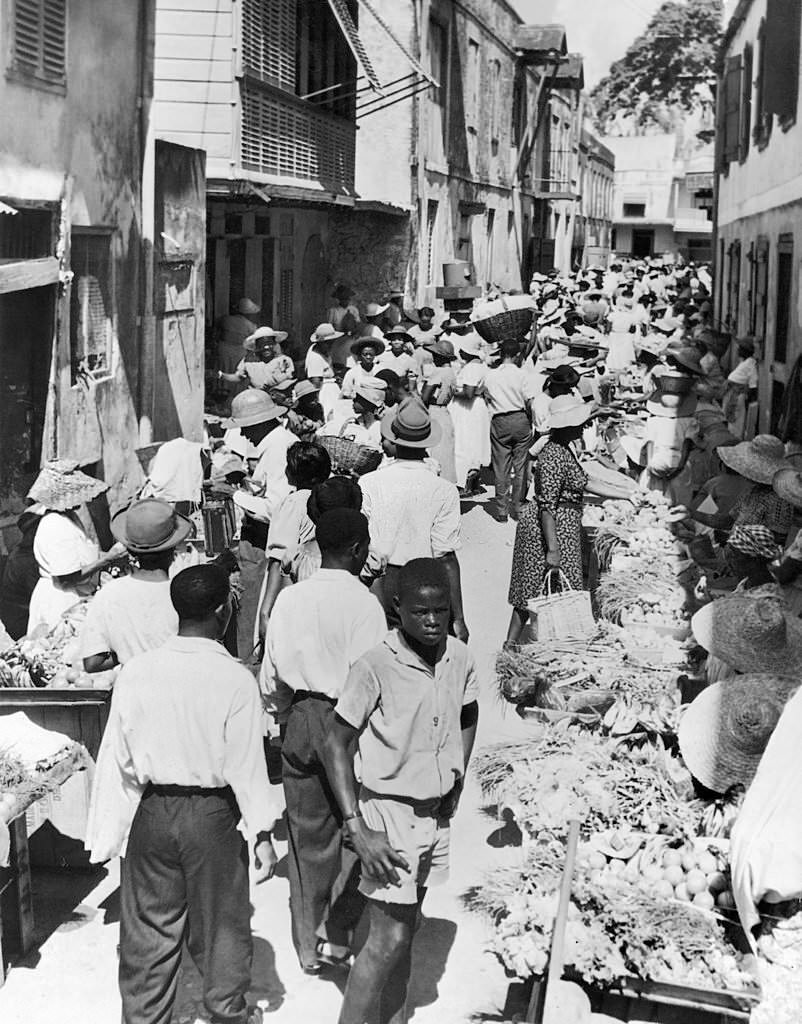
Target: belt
[155,789]
[312,695]
[510,412]
[429,808]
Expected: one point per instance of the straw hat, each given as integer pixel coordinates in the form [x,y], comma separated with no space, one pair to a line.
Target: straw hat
[787,484]
[61,485]
[724,732]
[150,526]
[750,635]
[568,411]
[261,334]
[410,425]
[374,309]
[398,332]
[687,357]
[304,388]
[471,344]
[442,347]
[757,460]
[324,333]
[563,374]
[253,406]
[247,307]
[368,342]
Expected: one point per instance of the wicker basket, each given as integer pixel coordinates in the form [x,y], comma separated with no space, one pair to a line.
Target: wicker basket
[509,321]
[349,458]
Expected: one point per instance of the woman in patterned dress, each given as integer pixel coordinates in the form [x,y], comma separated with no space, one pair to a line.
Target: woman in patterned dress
[548,536]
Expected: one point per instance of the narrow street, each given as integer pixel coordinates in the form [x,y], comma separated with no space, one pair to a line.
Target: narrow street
[72,976]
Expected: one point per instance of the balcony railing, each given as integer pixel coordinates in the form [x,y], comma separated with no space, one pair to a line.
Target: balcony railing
[287,137]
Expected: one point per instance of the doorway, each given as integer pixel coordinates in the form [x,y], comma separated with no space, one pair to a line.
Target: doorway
[27,324]
[313,290]
[642,244]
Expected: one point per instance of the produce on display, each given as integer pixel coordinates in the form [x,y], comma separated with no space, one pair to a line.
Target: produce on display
[21,785]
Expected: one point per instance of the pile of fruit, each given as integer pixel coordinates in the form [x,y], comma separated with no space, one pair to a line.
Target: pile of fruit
[52,660]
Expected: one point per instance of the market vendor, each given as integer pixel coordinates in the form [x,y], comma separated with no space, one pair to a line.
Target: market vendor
[134,613]
[267,364]
[68,559]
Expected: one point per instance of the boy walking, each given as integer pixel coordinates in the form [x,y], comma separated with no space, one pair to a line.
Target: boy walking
[412,703]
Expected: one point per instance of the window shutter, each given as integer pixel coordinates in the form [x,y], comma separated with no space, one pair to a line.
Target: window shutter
[54,33]
[732,108]
[26,35]
[782,57]
[40,38]
[746,102]
[268,40]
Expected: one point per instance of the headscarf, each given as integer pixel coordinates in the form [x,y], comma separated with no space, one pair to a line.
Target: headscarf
[754,540]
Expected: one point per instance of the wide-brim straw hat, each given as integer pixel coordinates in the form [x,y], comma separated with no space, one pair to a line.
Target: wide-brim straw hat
[261,336]
[725,730]
[60,485]
[253,406]
[150,526]
[750,634]
[368,342]
[398,332]
[787,484]
[758,460]
[375,308]
[324,333]
[410,425]
[441,347]
[568,411]
[304,388]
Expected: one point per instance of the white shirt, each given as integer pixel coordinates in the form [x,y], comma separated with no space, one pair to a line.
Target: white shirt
[745,374]
[61,546]
[176,472]
[317,630]
[270,474]
[187,714]
[353,378]
[402,364]
[507,389]
[129,616]
[412,513]
[316,365]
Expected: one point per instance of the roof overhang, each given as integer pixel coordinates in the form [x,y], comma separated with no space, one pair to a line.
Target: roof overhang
[571,73]
[540,44]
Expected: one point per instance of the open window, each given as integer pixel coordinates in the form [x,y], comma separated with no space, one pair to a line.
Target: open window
[91,304]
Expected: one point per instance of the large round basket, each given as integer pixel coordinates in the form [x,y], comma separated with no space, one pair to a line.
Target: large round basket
[349,458]
[508,318]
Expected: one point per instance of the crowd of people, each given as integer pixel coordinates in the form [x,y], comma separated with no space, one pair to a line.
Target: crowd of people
[342,597]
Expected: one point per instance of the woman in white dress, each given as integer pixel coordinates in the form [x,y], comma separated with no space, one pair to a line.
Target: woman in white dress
[319,368]
[68,559]
[470,415]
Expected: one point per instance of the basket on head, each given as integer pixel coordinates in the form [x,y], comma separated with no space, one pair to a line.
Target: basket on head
[509,325]
[349,458]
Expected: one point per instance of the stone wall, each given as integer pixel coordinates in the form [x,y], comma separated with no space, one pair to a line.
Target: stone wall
[371,252]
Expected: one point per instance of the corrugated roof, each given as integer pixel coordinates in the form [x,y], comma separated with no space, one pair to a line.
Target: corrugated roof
[541,39]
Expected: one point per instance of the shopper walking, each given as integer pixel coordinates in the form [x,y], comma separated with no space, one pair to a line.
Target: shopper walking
[509,400]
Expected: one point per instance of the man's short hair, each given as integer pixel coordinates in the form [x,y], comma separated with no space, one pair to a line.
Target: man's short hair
[510,349]
[341,529]
[336,492]
[422,574]
[308,464]
[198,591]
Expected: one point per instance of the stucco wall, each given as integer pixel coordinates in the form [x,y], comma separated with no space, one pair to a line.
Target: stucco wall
[90,134]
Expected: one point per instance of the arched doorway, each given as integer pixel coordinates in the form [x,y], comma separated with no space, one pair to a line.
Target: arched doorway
[314,300]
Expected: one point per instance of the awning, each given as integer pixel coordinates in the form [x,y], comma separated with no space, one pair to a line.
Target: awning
[339,9]
[4,208]
[30,184]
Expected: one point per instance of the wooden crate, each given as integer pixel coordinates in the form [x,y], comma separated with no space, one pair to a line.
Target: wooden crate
[79,714]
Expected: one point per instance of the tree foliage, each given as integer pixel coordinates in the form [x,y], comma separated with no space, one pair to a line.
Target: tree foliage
[664,73]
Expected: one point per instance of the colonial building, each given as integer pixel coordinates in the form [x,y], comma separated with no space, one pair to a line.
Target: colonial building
[596,186]
[663,196]
[759,191]
[97,317]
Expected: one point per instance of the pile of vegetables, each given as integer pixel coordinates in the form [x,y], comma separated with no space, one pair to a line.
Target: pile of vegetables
[21,785]
[52,659]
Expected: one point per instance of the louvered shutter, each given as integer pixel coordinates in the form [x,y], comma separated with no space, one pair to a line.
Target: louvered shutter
[27,35]
[732,108]
[268,40]
[40,38]
[783,26]
[746,103]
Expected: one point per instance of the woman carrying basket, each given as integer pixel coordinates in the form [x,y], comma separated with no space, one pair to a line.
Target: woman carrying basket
[548,536]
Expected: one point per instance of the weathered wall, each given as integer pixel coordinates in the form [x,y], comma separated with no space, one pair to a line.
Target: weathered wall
[91,134]
[370,252]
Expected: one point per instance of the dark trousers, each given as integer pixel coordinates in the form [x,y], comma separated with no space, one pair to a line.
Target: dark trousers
[252,562]
[323,874]
[185,877]
[510,440]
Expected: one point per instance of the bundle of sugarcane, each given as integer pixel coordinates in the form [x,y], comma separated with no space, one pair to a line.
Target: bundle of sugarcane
[652,585]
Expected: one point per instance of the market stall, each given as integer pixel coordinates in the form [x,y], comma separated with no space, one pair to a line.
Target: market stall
[649,911]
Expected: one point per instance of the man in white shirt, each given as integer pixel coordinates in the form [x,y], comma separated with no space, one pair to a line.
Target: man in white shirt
[259,420]
[182,759]
[318,629]
[134,613]
[413,513]
[509,398]
[397,359]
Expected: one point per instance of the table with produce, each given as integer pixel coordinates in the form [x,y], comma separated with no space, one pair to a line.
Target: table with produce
[651,912]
